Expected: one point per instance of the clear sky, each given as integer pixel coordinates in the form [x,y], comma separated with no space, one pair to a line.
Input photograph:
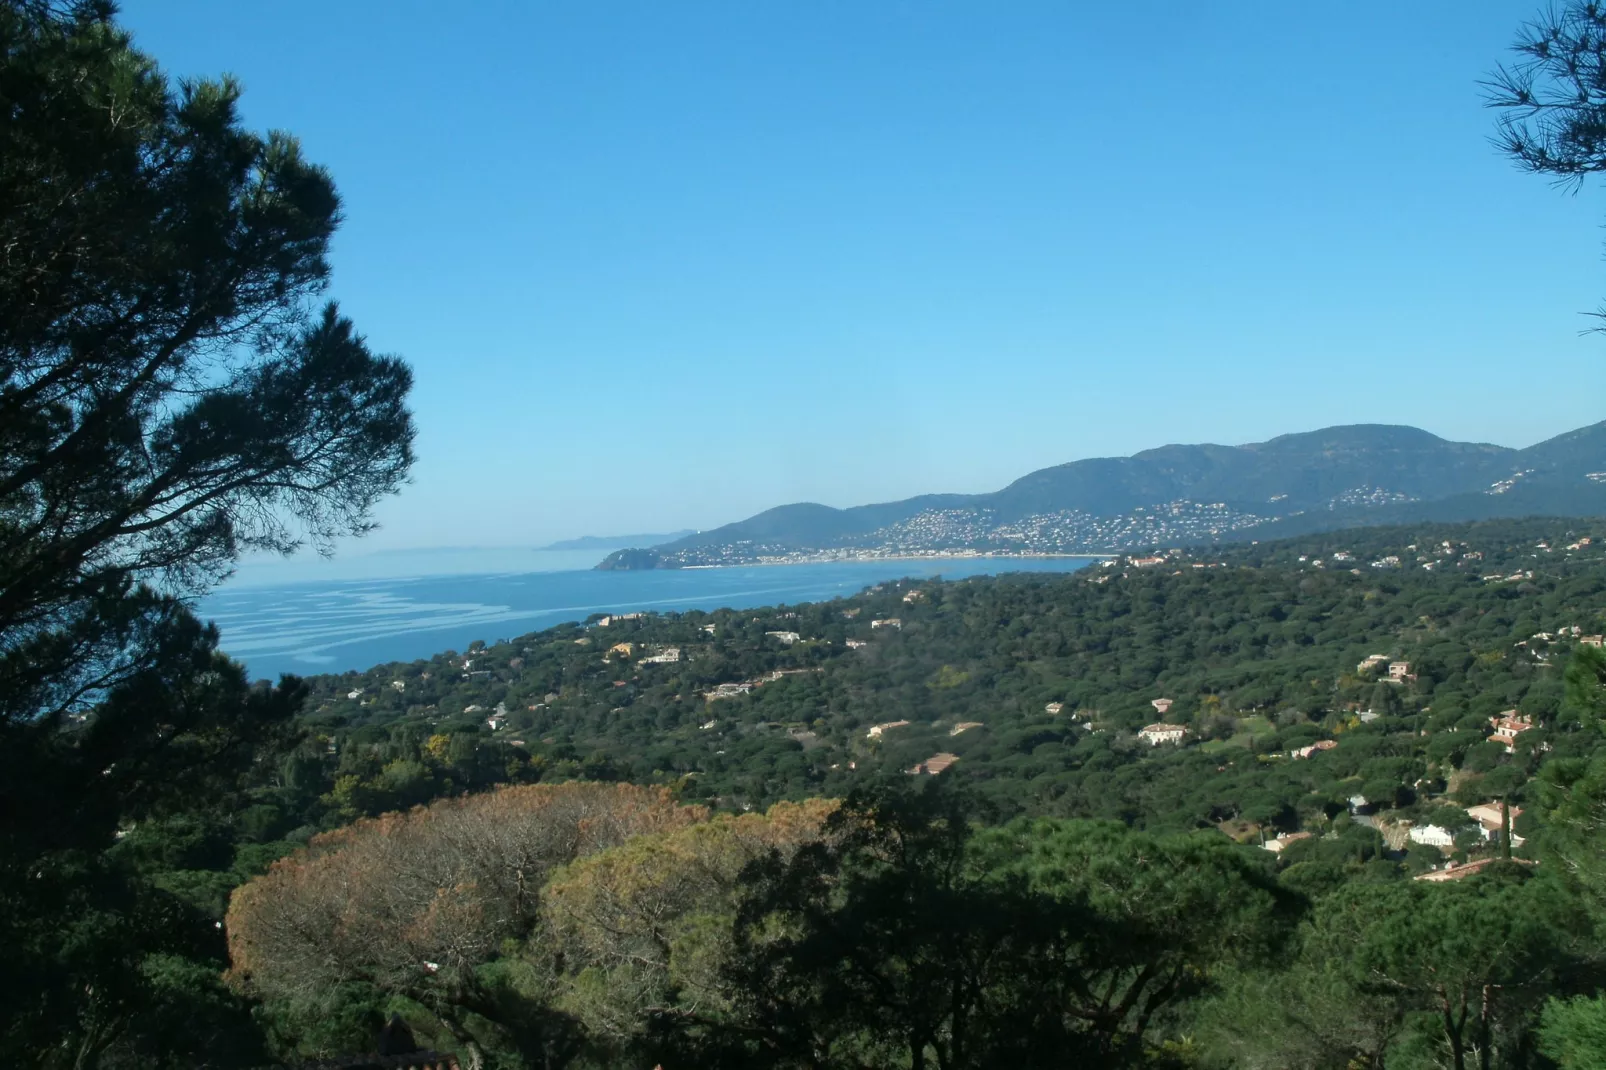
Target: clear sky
[663,265]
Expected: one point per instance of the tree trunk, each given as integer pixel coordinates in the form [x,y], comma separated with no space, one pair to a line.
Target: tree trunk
[1452,1032]
[1484,1008]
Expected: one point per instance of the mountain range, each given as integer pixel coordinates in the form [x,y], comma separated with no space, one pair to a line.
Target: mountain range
[1182,494]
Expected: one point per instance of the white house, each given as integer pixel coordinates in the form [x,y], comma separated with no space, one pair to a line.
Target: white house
[1277,845]
[1156,734]
[877,729]
[1487,815]
[1432,835]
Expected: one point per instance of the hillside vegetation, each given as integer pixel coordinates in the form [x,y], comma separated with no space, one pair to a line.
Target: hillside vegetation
[995,731]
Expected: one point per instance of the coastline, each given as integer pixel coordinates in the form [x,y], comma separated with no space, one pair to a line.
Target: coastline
[832,559]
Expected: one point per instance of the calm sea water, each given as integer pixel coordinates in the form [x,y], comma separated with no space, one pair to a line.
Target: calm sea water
[334,625]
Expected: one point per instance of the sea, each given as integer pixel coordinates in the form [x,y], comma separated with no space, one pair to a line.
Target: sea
[382,608]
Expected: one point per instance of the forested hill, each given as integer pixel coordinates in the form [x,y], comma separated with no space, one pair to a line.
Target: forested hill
[1350,702]
[1256,646]
[1188,495]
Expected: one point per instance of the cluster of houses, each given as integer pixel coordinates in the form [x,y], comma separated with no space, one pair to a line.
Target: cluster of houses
[1564,632]
[1399,672]
[1159,732]
[1489,822]
[744,686]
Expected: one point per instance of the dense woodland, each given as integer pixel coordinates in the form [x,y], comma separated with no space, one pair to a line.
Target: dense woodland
[729,824]
[1258,650]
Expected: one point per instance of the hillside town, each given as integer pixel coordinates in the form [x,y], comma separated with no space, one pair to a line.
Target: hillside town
[978,532]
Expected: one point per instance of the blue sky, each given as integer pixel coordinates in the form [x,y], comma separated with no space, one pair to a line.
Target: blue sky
[664,265]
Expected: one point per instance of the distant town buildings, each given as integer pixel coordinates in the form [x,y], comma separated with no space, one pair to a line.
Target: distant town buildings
[1162,705]
[667,656]
[888,622]
[877,729]
[785,638]
[1156,734]
[1315,748]
[1053,708]
[1431,836]
[935,764]
[1453,871]
[1508,726]
[617,617]
[1488,817]
[1277,846]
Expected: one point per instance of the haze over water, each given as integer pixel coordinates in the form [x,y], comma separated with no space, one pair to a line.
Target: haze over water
[356,622]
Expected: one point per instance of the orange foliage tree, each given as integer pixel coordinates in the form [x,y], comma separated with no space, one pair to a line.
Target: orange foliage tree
[413,903]
[643,930]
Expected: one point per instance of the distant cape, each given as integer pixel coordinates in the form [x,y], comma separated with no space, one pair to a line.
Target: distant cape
[598,542]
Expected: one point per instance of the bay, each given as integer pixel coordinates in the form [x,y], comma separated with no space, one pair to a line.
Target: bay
[359,620]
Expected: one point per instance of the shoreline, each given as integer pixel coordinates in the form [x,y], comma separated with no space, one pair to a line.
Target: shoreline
[960,556]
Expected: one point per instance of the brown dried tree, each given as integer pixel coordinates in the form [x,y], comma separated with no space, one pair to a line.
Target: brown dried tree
[643,930]
[414,903]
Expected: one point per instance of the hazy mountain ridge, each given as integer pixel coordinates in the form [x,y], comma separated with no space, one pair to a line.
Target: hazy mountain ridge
[594,542]
[1177,494]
